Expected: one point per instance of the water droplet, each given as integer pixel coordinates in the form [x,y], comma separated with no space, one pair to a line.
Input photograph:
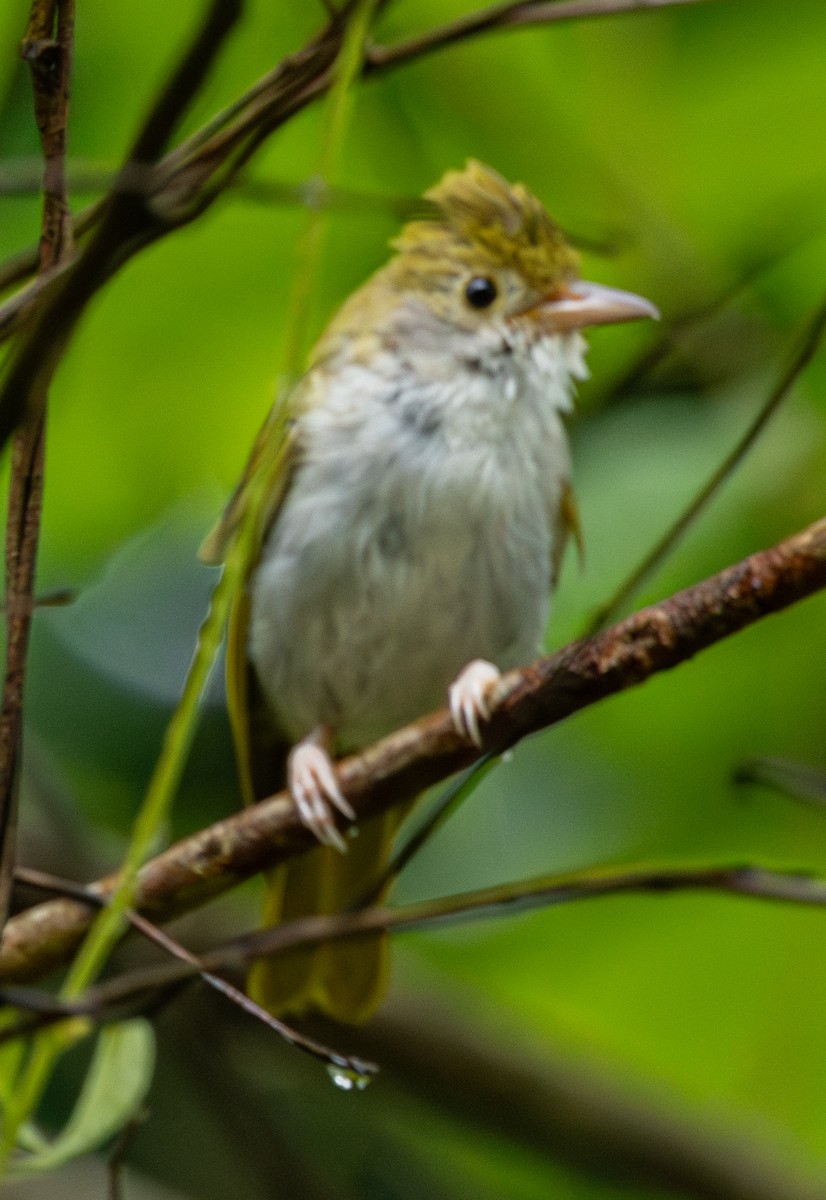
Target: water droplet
[347,1079]
[507,757]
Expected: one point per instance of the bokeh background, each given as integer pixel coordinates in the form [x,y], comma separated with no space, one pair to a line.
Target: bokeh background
[634,1048]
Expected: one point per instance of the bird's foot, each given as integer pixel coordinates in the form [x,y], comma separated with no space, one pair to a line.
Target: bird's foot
[315,789]
[469,698]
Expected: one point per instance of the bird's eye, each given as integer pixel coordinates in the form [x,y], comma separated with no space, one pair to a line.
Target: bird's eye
[480,291]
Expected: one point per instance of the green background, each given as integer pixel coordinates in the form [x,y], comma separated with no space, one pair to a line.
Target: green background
[692,142]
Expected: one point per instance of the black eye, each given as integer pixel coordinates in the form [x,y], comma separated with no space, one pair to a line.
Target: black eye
[480,291]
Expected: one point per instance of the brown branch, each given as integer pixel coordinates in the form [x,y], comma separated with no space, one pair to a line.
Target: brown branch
[186,181]
[128,222]
[134,990]
[809,346]
[48,48]
[400,766]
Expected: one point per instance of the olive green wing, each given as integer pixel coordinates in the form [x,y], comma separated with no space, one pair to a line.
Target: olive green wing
[276,445]
[566,524]
[268,473]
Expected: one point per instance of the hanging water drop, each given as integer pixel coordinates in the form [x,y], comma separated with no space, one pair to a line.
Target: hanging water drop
[347,1079]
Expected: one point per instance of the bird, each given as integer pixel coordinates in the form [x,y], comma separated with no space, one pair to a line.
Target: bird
[411,537]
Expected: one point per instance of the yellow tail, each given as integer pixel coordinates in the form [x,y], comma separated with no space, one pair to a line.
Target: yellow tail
[345,979]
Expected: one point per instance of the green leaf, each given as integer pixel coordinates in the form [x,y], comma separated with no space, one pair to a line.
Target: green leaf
[114,1089]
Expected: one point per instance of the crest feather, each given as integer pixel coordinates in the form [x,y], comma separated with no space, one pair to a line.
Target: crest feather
[504,222]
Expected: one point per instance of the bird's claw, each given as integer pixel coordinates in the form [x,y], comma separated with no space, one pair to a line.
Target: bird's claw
[469,698]
[316,792]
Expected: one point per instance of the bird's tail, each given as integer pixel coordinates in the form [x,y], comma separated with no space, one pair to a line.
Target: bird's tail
[345,979]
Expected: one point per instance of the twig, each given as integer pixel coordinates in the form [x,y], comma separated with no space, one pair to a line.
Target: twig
[187,180]
[543,892]
[333,1059]
[47,1009]
[691,320]
[117,1158]
[132,988]
[401,766]
[186,81]
[800,782]
[47,48]
[453,796]
[127,222]
[809,345]
[499,17]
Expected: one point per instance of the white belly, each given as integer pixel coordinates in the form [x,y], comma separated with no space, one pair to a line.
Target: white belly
[387,570]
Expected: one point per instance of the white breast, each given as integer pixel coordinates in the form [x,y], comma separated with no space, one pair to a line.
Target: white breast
[417,534]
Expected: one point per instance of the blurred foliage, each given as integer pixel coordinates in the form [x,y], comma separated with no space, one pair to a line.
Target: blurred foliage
[691,140]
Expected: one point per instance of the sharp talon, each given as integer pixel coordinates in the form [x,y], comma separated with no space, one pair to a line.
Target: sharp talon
[316,792]
[471,723]
[325,828]
[468,699]
[331,790]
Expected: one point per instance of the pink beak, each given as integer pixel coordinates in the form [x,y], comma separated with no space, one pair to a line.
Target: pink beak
[581,304]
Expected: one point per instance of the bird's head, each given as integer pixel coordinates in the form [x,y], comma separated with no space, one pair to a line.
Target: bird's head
[484,262]
[488,249]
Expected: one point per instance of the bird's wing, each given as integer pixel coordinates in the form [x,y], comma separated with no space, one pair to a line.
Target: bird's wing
[567,524]
[282,459]
[278,458]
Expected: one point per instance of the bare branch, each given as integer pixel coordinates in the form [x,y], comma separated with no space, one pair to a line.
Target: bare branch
[48,49]
[502,899]
[187,180]
[809,345]
[133,990]
[518,15]
[127,223]
[400,766]
[44,1010]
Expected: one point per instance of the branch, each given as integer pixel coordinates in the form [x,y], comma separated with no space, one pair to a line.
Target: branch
[518,15]
[127,223]
[186,181]
[134,990]
[48,48]
[809,346]
[399,767]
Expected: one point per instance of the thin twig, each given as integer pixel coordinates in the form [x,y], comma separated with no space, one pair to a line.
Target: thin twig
[48,49]
[794,779]
[331,1058]
[690,321]
[500,17]
[185,182]
[123,992]
[127,222]
[117,1157]
[454,795]
[47,1009]
[399,767]
[809,345]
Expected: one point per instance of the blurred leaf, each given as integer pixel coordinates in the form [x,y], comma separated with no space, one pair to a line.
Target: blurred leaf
[113,1092]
